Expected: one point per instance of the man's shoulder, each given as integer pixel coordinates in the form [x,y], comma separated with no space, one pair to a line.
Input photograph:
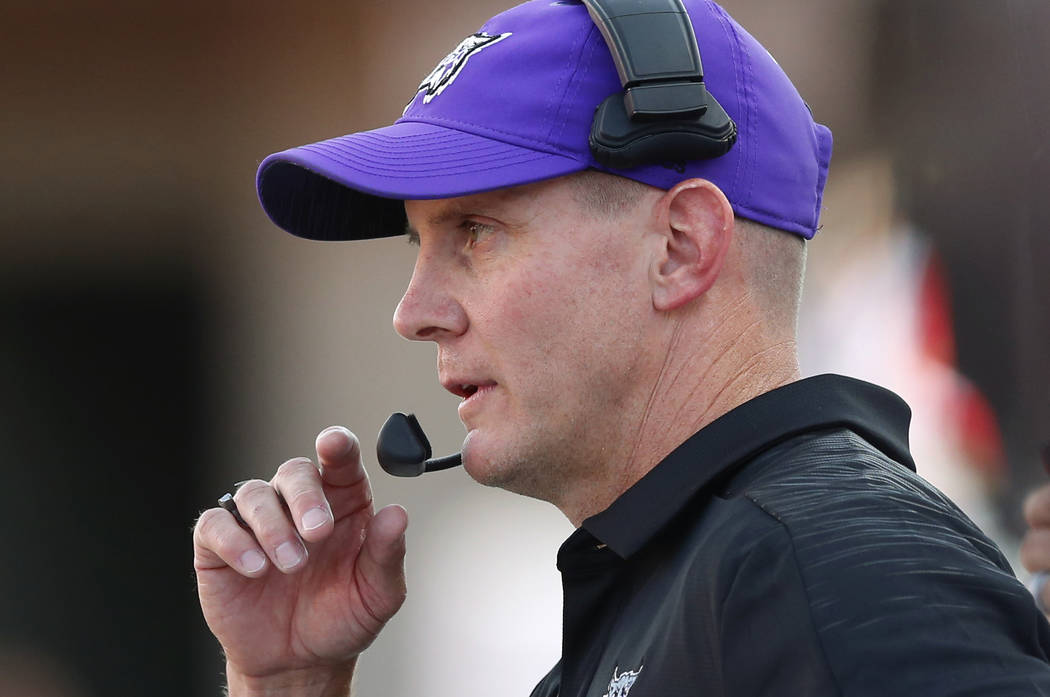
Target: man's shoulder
[839,498]
[829,536]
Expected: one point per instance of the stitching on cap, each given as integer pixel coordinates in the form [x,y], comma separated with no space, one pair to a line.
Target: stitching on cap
[824,145]
[577,58]
[351,150]
[733,41]
[475,129]
[752,100]
[564,76]
[427,172]
[391,146]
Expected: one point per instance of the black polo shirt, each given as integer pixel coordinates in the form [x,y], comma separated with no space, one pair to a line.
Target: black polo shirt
[788,548]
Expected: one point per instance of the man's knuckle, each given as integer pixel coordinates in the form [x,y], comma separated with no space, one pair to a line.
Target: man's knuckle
[214,531]
[294,467]
[303,494]
[205,524]
[227,544]
[251,491]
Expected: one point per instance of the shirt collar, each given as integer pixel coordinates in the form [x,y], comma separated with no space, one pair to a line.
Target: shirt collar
[874,413]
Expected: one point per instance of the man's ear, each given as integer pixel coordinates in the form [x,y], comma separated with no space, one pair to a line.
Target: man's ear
[696,225]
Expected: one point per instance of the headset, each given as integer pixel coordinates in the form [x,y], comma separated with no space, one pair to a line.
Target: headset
[664,114]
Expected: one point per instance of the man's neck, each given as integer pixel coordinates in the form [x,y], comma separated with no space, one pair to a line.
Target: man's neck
[687,395]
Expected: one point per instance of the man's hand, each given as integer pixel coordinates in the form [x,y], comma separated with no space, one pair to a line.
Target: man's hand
[1035,548]
[308,583]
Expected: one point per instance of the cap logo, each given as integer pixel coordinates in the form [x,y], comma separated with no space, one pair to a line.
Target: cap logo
[451,65]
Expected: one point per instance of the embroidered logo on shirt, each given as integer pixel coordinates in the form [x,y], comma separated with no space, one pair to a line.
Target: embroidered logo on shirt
[450,66]
[622,683]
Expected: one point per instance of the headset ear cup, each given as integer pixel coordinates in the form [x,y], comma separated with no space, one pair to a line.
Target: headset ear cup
[610,132]
[617,142]
[665,115]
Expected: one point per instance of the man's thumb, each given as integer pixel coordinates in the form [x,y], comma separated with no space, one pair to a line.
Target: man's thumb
[381,564]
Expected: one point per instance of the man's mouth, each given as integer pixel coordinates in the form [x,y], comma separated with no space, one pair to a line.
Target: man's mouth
[473,394]
[466,390]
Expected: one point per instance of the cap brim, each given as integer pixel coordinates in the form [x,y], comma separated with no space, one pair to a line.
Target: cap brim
[351,188]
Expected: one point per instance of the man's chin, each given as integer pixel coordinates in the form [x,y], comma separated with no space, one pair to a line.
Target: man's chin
[495,465]
[486,463]
[477,459]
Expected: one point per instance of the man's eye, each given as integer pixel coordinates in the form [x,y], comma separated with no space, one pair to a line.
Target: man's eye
[476,232]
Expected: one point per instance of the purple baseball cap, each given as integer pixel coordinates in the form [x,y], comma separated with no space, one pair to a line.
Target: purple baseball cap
[513,104]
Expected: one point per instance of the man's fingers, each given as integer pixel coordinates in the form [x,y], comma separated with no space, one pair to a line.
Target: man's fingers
[298,481]
[339,453]
[220,541]
[346,483]
[1035,550]
[1037,507]
[380,573]
[265,515]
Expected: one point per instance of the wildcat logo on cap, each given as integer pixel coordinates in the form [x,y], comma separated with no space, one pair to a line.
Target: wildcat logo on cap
[451,65]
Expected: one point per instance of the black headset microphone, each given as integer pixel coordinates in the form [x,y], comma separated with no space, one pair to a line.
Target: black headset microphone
[404,451]
[665,115]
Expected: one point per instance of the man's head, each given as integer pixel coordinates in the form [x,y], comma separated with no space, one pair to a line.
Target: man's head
[577,317]
[586,314]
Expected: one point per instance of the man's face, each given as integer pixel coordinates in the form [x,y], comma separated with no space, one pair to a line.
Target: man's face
[538,305]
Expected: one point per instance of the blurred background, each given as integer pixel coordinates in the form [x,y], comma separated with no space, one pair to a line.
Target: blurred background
[162,339]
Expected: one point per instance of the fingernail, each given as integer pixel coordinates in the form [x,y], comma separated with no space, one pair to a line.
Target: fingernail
[315,518]
[337,429]
[252,561]
[330,429]
[288,555]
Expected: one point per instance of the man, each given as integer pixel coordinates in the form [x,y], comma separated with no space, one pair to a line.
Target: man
[1035,547]
[624,343]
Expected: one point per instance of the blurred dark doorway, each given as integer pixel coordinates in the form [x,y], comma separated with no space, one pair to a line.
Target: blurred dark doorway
[101,388]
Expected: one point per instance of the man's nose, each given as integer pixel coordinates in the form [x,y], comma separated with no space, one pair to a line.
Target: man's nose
[429,311]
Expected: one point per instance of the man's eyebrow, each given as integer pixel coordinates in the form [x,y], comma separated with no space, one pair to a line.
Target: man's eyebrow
[448,213]
[454,211]
[438,219]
